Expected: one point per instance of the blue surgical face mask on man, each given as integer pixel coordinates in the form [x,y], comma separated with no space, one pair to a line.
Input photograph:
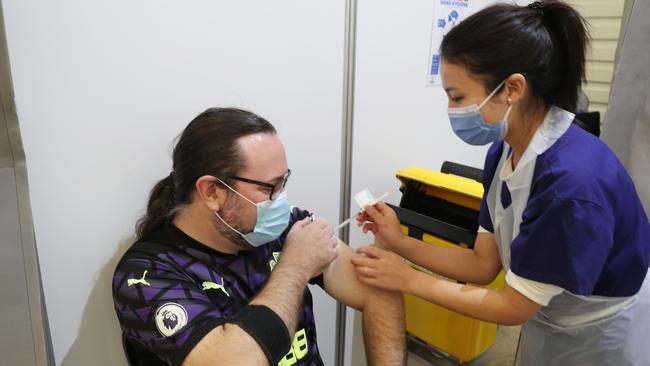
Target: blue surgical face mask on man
[272,219]
[468,123]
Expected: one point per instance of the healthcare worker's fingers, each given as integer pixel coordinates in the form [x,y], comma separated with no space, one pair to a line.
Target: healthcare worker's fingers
[382,215]
[387,212]
[370,251]
[365,266]
[385,226]
[382,208]
[373,214]
[362,261]
[366,271]
[382,221]
[369,226]
[382,269]
[361,218]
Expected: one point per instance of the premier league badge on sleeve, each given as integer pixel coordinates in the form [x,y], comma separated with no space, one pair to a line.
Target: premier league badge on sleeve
[170,318]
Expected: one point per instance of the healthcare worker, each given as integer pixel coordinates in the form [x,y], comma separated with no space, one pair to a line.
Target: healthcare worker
[560,215]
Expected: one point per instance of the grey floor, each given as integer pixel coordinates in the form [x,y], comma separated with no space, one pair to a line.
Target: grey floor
[502,353]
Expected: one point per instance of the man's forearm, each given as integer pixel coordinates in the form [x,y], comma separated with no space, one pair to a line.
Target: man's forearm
[383,328]
[231,344]
[283,293]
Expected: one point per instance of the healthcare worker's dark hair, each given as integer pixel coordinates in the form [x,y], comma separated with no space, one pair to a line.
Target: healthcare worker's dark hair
[207,146]
[545,41]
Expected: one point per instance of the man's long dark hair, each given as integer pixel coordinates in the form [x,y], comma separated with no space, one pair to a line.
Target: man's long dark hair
[207,146]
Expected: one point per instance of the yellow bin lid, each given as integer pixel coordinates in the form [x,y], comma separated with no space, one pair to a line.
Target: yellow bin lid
[450,182]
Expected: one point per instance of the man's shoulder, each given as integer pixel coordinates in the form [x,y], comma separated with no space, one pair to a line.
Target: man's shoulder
[163,257]
[148,250]
[153,257]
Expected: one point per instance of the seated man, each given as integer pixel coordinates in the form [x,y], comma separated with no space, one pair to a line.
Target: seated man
[219,273]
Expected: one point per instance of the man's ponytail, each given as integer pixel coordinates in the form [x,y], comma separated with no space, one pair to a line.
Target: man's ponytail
[160,207]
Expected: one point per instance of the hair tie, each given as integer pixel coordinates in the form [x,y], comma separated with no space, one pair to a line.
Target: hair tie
[537,7]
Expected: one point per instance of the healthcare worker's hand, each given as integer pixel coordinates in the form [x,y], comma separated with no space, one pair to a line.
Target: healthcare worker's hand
[383,269]
[382,221]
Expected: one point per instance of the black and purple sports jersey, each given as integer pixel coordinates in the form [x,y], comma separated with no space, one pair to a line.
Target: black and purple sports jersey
[169,291]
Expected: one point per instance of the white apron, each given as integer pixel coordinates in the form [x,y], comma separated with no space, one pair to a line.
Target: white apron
[572,329]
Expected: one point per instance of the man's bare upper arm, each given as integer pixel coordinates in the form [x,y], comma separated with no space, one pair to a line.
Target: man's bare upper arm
[341,281]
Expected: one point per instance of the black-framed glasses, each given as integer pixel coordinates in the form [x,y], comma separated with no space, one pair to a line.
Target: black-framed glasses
[275,188]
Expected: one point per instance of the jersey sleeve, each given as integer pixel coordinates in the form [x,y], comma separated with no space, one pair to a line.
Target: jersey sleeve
[164,310]
[563,242]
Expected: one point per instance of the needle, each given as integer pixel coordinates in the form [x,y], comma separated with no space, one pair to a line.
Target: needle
[342,225]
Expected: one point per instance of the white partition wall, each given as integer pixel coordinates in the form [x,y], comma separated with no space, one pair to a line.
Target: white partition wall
[102,88]
[398,120]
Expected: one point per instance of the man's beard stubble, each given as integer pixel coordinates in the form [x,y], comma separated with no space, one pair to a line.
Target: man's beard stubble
[230,214]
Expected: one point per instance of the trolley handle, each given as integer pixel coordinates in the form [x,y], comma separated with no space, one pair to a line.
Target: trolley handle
[462,170]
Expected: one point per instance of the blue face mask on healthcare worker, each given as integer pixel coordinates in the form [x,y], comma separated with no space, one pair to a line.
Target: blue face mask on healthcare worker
[468,123]
[272,219]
